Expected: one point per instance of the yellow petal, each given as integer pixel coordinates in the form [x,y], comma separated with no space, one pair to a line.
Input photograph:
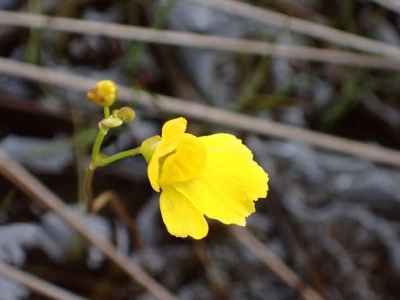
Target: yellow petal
[229,151]
[172,133]
[181,218]
[186,163]
[174,128]
[230,182]
[153,170]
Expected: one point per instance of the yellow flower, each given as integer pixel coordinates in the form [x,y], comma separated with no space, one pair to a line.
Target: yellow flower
[104,93]
[213,176]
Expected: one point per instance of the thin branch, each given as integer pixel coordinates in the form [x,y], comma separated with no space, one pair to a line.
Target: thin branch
[284,22]
[393,5]
[274,263]
[18,175]
[206,113]
[37,285]
[117,206]
[169,37]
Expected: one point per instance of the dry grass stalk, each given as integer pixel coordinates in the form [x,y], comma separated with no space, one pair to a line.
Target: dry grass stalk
[165,104]
[37,285]
[284,22]
[185,39]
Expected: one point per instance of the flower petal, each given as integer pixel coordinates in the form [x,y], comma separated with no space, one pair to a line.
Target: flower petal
[174,128]
[186,163]
[172,133]
[153,170]
[230,182]
[181,218]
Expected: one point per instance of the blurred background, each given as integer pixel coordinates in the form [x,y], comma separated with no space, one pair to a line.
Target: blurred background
[330,226]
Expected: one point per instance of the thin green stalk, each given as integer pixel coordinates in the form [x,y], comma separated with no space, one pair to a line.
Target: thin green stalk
[86,197]
[124,154]
[106,111]
[100,160]
[254,84]
[32,51]
[97,146]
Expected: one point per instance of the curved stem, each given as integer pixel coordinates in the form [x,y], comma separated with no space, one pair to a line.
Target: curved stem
[97,144]
[98,160]
[86,196]
[112,158]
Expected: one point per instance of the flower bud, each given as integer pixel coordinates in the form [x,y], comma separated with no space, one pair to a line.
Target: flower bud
[110,122]
[126,114]
[104,93]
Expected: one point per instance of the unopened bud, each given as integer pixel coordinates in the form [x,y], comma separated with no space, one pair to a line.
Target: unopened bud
[126,114]
[110,122]
[104,93]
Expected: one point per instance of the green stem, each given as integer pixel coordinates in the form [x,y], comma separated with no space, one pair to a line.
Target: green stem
[97,144]
[99,160]
[124,154]
[86,197]
[106,111]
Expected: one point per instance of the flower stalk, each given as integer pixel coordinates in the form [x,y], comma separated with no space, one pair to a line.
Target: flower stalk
[104,94]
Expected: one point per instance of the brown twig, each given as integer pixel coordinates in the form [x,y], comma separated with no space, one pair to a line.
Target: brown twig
[40,286]
[206,113]
[117,206]
[169,37]
[17,174]
[274,263]
[87,190]
[322,32]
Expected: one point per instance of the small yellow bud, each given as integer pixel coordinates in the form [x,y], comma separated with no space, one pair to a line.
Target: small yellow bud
[104,93]
[126,114]
[110,122]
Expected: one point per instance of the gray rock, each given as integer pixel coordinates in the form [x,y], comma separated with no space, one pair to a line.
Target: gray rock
[12,291]
[68,239]
[42,155]
[16,239]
